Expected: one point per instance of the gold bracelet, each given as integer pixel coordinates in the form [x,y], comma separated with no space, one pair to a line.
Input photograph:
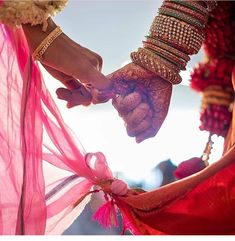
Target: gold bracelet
[178,34]
[187,10]
[41,49]
[168,48]
[182,17]
[156,64]
[167,55]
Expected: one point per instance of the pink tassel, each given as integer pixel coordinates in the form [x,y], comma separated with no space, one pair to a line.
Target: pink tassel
[106,215]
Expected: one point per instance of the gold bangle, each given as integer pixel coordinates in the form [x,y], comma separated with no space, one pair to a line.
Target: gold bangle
[168,48]
[186,10]
[182,17]
[41,49]
[178,34]
[156,64]
[167,55]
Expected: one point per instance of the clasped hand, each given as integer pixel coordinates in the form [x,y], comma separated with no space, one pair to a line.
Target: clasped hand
[141,98]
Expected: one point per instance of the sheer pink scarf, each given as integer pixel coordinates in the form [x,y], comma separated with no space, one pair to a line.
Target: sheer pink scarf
[25,109]
[27,207]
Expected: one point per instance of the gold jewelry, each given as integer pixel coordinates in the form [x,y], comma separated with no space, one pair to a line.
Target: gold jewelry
[168,48]
[41,49]
[182,17]
[193,5]
[167,55]
[177,33]
[154,63]
[187,10]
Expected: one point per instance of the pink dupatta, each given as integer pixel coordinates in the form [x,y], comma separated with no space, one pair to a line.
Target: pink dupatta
[25,107]
[27,207]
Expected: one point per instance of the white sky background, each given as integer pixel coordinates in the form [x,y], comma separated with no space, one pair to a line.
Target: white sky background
[114,29]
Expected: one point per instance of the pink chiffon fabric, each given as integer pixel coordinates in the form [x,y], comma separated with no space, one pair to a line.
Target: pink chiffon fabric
[28,207]
[27,109]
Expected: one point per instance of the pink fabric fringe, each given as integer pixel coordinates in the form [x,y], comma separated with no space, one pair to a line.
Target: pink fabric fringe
[106,215]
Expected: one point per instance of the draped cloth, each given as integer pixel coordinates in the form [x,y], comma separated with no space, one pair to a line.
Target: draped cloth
[201,204]
[25,106]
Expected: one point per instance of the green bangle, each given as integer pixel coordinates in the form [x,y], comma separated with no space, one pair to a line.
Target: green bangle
[194,22]
[190,6]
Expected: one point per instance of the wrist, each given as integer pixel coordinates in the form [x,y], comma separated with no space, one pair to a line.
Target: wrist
[35,35]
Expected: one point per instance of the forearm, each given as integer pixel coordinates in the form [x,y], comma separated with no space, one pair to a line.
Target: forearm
[176,33]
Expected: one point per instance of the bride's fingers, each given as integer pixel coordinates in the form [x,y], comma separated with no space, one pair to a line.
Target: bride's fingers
[118,104]
[134,117]
[131,101]
[125,104]
[141,127]
[148,133]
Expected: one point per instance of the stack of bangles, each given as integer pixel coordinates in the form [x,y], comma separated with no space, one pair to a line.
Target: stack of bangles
[41,49]
[176,33]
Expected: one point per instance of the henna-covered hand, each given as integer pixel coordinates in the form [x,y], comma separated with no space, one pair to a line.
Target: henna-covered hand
[143,100]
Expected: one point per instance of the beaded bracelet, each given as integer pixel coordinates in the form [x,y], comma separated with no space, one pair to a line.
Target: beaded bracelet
[168,48]
[179,34]
[181,16]
[193,5]
[167,55]
[41,49]
[186,10]
[174,34]
[156,64]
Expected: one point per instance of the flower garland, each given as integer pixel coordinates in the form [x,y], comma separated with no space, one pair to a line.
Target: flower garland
[213,78]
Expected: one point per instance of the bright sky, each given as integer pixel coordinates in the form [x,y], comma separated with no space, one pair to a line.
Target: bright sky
[114,29]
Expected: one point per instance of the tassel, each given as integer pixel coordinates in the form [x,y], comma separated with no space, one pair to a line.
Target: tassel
[106,215]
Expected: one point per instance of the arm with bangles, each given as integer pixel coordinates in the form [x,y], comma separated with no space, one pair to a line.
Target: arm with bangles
[143,88]
[80,67]
[176,33]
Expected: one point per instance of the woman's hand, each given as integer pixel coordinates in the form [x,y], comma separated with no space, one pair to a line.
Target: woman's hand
[143,100]
[78,68]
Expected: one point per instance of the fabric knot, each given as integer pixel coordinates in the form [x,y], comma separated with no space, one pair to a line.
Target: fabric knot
[119,187]
[98,166]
